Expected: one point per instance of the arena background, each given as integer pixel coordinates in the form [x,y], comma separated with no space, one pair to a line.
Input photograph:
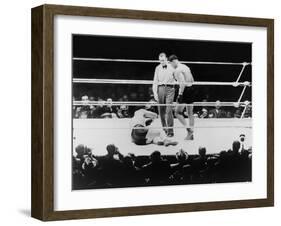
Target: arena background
[148,49]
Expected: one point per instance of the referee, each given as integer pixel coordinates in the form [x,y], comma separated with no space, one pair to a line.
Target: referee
[164,92]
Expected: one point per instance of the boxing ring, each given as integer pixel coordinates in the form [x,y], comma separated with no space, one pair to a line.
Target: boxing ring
[214,134]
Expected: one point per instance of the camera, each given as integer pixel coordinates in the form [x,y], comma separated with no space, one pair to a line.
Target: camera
[242,138]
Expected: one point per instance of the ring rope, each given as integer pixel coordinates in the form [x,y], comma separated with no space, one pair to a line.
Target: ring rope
[167,127]
[241,72]
[157,61]
[115,81]
[244,111]
[139,103]
[242,93]
[150,82]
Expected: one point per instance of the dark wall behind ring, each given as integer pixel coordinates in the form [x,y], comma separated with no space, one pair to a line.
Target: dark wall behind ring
[148,49]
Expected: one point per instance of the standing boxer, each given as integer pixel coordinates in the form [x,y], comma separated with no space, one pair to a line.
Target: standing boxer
[186,94]
[164,92]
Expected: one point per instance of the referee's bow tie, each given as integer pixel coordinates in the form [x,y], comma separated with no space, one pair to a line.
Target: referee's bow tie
[164,66]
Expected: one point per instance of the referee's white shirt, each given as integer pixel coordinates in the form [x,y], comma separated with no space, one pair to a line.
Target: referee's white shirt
[162,76]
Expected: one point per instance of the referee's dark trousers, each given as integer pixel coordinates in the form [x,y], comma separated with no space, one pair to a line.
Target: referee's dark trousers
[166,95]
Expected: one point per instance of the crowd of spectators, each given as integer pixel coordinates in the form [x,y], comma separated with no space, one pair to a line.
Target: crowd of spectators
[116,170]
[105,109]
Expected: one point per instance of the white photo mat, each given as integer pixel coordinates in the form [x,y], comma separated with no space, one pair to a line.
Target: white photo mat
[66,199]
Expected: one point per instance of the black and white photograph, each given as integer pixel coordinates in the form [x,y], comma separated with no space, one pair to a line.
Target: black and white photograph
[158,112]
